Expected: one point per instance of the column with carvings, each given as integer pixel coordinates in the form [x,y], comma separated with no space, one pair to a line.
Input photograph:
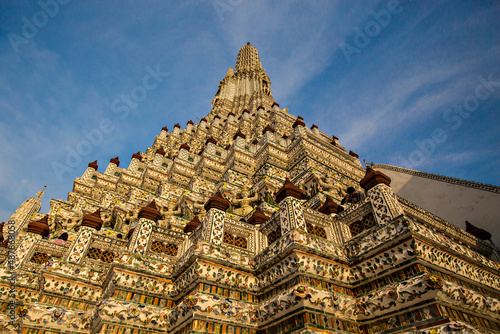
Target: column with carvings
[213,225]
[290,211]
[148,217]
[90,224]
[383,200]
[340,231]
[36,231]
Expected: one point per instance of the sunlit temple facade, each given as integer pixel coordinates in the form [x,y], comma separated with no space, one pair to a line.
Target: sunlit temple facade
[235,225]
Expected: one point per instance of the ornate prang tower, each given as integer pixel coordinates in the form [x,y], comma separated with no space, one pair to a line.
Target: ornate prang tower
[235,225]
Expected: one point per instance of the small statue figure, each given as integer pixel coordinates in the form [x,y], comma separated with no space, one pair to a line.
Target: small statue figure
[245,200]
[132,215]
[167,214]
[201,210]
[352,196]
[107,217]
[330,186]
[71,221]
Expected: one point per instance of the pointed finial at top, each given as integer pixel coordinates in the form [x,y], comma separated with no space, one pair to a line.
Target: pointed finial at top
[40,193]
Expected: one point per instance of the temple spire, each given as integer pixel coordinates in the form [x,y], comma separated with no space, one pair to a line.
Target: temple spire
[248,59]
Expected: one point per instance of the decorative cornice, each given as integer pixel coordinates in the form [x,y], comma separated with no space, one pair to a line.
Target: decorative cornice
[192,225]
[217,202]
[372,178]
[150,212]
[115,161]
[443,226]
[93,164]
[211,140]
[160,151]
[299,121]
[93,220]
[268,128]
[329,206]
[437,177]
[239,134]
[40,227]
[288,190]
[258,217]
[137,156]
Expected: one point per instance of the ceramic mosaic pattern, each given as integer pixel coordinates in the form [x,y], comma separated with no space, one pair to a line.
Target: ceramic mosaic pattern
[94,274]
[468,299]
[380,203]
[284,214]
[138,262]
[365,242]
[445,260]
[298,213]
[217,224]
[81,244]
[70,289]
[140,239]
[24,248]
[38,316]
[448,243]
[147,317]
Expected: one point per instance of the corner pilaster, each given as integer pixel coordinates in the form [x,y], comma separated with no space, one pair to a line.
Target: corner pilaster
[384,203]
[148,217]
[290,211]
[213,227]
[90,224]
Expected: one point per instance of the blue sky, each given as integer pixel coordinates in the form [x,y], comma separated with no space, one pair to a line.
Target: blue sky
[398,83]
